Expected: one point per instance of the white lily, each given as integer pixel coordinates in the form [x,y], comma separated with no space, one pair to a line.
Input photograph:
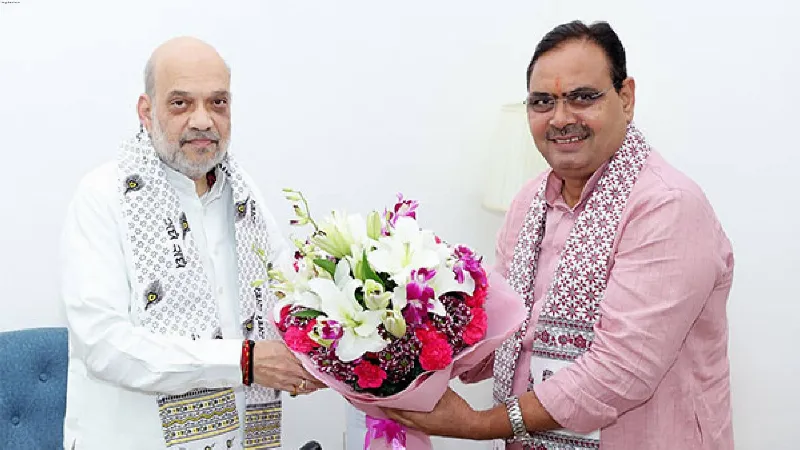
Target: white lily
[374,225]
[407,248]
[394,323]
[445,281]
[295,288]
[374,296]
[341,233]
[338,302]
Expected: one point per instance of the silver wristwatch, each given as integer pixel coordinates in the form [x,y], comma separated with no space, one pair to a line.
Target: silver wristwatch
[515,416]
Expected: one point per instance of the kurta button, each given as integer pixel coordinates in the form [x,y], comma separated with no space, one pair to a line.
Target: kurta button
[15,421]
[43,377]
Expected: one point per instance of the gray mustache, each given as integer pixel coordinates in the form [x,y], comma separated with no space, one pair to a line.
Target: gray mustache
[197,134]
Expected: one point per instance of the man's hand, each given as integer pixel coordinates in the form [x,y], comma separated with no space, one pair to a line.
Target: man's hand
[275,366]
[452,417]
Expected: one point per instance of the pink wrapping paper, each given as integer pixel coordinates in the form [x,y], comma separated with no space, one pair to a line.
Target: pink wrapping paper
[505,312]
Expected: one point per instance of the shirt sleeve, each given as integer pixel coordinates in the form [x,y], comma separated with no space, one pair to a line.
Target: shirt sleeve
[665,268]
[96,292]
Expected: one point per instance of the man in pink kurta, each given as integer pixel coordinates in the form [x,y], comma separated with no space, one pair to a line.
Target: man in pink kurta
[655,375]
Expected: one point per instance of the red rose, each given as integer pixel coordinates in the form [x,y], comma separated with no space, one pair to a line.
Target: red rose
[478,297]
[298,340]
[369,375]
[436,354]
[476,329]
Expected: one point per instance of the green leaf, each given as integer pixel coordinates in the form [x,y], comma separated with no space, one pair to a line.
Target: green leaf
[370,274]
[327,265]
[257,283]
[307,314]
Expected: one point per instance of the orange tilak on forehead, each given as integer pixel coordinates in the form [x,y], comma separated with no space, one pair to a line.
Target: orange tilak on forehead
[558,86]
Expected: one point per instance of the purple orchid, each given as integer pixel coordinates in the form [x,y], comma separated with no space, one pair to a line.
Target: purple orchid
[466,261]
[419,295]
[327,332]
[403,208]
[331,330]
[418,288]
[414,315]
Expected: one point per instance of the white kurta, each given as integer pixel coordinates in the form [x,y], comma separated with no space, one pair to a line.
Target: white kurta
[117,368]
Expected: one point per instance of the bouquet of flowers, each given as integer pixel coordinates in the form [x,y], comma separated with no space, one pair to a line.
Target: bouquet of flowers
[385,312]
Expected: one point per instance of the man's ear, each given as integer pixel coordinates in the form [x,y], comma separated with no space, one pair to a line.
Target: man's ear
[144,109]
[628,96]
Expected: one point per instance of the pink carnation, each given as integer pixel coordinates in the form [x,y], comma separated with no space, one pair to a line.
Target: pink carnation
[427,334]
[369,375]
[478,297]
[281,323]
[436,354]
[298,340]
[476,328]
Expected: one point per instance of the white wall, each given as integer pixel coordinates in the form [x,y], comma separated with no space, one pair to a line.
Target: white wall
[354,101]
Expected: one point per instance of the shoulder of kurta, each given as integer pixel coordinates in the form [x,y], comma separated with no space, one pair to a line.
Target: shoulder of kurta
[525,195]
[99,187]
[659,178]
[100,183]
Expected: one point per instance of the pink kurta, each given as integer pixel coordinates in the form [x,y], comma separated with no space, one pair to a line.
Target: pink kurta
[657,374]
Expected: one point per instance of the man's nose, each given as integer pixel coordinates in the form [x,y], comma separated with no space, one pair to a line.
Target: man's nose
[200,119]
[562,116]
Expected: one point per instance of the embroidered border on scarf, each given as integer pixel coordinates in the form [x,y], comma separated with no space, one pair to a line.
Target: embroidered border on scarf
[263,425]
[553,441]
[198,414]
[565,329]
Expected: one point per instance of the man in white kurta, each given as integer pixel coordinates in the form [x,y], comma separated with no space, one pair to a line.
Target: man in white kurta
[129,361]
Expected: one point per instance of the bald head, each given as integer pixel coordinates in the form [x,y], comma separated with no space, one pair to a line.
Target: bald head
[186,105]
[176,51]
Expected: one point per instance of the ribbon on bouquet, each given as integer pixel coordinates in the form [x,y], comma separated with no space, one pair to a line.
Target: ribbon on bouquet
[393,432]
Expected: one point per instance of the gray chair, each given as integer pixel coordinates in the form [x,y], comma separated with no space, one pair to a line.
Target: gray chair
[33,388]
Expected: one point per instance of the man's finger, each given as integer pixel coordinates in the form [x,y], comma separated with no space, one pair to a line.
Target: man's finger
[318,385]
[313,381]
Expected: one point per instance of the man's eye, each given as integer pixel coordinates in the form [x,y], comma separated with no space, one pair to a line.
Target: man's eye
[585,97]
[541,101]
[178,103]
[220,102]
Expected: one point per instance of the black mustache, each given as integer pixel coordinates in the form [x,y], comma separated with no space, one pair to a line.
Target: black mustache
[569,130]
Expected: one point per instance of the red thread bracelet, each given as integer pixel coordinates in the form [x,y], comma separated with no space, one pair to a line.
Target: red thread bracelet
[246,362]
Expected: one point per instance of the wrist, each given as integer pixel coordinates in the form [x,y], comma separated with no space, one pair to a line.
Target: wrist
[514,416]
[488,424]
